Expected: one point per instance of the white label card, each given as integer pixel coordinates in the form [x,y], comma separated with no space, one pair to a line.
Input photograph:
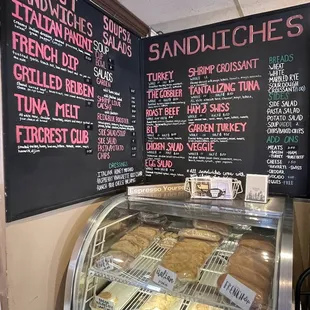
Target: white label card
[104,304]
[165,278]
[104,263]
[238,293]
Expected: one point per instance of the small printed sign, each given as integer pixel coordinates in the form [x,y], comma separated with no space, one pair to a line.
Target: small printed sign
[238,293]
[104,304]
[165,278]
[105,263]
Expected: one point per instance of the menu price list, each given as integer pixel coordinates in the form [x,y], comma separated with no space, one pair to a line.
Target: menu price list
[164,120]
[285,120]
[68,108]
[243,106]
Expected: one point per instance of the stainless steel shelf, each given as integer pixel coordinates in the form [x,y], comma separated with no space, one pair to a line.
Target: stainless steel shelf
[205,291]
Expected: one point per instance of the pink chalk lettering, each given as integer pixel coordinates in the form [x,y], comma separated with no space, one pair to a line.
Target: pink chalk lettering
[35,77]
[112,118]
[78,136]
[103,156]
[35,106]
[172,111]
[251,85]
[219,107]
[290,25]
[175,147]
[223,39]
[152,163]
[35,135]
[34,48]
[196,109]
[103,83]
[231,127]
[63,14]
[79,88]
[234,34]
[111,132]
[261,32]
[271,29]
[155,146]
[78,39]
[154,112]
[151,129]
[208,46]
[69,61]
[37,19]
[208,127]
[160,76]
[201,146]
[191,51]
[212,89]
[201,70]
[116,30]
[67,110]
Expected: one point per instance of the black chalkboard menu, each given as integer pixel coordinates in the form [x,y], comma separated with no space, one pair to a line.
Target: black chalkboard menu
[72,104]
[230,99]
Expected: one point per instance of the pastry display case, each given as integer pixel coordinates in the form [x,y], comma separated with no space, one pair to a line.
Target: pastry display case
[193,246]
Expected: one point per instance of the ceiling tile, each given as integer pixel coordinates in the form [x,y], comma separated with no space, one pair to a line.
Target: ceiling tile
[160,11]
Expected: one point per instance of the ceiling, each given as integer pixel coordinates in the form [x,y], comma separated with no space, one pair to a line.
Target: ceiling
[173,15]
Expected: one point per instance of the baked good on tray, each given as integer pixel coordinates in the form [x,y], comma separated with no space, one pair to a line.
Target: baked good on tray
[147,232]
[216,227]
[258,242]
[203,307]
[140,241]
[160,302]
[200,234]
[251,276]
[126,247]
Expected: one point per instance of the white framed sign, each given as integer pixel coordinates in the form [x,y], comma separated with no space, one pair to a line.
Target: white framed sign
[237,292]
[256,188]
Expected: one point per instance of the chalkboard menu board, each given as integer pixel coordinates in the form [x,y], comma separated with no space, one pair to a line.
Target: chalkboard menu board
[72,104]
[230,99]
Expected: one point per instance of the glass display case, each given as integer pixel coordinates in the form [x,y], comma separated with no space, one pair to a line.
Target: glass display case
[116,259]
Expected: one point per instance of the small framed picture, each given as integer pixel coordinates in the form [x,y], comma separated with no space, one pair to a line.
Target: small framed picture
[256,188]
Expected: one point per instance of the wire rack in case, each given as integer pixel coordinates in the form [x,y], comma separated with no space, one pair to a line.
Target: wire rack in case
[204,291]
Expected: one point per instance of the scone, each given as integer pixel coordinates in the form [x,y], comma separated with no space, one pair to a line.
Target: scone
[200,234]
[126,247]
[160,302]
[168,240]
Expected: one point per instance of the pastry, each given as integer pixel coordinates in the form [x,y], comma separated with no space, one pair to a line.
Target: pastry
[140,241]
[200,234]
[261,297]
[251,276]
[146,232]
[252,262]
[160,302]
[219,228]
[257,242]
[126,247]
[168,240]
[264,256]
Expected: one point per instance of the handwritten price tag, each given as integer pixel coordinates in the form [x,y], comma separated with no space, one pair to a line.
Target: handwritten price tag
[165,278]
[105,263]
[238,293]
[104,304]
